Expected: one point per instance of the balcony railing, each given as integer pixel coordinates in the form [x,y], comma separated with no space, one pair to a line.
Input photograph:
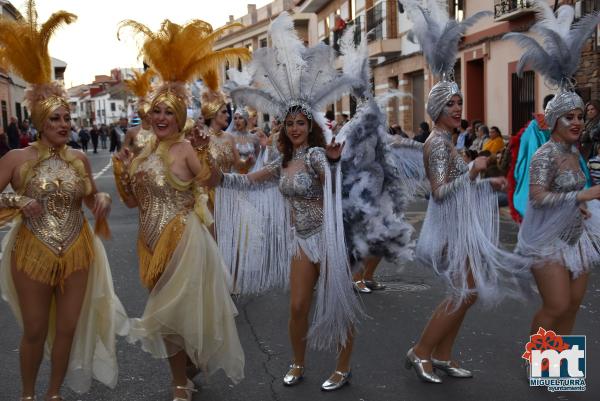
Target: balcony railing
[504,9]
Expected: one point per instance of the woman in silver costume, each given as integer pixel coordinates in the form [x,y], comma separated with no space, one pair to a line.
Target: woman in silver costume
[247,143]
[463,252]
[306,234]
[561,228]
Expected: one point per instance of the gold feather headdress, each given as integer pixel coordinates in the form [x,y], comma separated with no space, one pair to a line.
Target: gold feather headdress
[140,85]
[180,54]
[24,50]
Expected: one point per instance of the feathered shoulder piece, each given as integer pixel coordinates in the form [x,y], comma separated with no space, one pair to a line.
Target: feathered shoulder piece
[438,34]
[24,50]
[182,53]
[290,75]
[141,83]
[556,53]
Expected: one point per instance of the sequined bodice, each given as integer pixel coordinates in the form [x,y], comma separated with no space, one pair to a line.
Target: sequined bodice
[159,202]
[141,140]
[59,189]
[245,145]
[555,176]
[221,152]
[300,183]
[443,164]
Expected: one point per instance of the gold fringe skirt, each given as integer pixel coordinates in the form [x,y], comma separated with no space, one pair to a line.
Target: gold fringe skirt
[153,262]
[40,263]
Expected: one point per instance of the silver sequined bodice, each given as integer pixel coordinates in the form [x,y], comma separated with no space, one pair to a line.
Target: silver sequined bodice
[555,176]
[443,163]
[301,186]
[244,144]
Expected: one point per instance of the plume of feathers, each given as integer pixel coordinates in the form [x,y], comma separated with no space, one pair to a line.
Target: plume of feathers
[556,54]
[183,53]
[437,34]
[141,83]
[377,179]
[290,73]
[24,50]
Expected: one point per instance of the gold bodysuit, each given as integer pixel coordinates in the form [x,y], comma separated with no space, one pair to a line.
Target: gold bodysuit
[221,151]
[141,139]
[164,202]
[51,246]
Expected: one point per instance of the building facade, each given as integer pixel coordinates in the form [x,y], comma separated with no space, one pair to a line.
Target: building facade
[485,68]
[253,34]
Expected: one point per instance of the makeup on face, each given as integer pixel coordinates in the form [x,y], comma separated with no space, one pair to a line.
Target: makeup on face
[57,128]
[569,126]
[164,121]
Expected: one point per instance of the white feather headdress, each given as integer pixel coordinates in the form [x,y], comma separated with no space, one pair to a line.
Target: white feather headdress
[439,36]
[291,76]
[556,53]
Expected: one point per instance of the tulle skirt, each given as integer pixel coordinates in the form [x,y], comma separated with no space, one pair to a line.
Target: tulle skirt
[560,234]
[190,308]
[102,316]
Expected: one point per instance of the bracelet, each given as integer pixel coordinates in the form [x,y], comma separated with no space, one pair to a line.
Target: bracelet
[105,194]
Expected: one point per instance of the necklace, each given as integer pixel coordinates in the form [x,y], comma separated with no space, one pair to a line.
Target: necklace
[300,152]
[561,146]
[215,132]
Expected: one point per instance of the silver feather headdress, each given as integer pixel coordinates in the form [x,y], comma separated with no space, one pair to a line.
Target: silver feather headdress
[438,36]
[289,76]
[556,54]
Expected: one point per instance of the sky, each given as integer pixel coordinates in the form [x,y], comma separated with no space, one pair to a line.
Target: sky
[90,46]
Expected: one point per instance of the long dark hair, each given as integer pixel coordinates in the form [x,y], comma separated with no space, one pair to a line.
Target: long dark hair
[316,138]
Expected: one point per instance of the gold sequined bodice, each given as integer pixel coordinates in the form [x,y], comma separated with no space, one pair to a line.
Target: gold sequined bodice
[221,151]
[140,140]
[158,201]
[59,189]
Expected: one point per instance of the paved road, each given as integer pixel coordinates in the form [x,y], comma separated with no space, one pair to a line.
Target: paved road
[490,342]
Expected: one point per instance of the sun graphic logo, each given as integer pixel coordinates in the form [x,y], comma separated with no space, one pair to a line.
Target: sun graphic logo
[556,362]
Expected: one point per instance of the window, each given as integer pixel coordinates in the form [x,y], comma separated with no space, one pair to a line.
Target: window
[263,42]
[113,106]
[4,115]
[522,99]
[456,9]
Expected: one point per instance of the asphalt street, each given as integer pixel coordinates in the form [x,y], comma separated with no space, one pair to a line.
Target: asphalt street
[490,342]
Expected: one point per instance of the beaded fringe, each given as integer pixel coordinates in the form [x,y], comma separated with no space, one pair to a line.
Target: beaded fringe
[153,263]
[41,264]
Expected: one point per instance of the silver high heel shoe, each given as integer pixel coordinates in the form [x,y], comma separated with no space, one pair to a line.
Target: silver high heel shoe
[332,385]
[29,398]
[452,371]
[413,361]
[291,379]
[361,287]
[189,389]
[374,285]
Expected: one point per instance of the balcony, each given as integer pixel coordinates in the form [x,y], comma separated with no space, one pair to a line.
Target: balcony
[379,26]
[506,10]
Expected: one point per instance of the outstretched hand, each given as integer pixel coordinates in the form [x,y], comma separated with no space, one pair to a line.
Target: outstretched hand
[199,138]
[334,149]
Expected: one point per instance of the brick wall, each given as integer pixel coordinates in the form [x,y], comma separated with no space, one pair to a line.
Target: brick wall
[588,75]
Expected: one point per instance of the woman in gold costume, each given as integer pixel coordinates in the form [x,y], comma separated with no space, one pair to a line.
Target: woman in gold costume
[189,313]
[222,144]
[54,273]
[137,137]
